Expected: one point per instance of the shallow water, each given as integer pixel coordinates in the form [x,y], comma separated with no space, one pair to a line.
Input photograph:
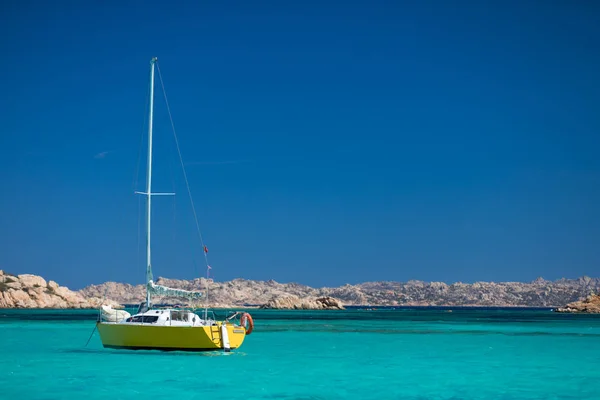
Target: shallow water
[356,354]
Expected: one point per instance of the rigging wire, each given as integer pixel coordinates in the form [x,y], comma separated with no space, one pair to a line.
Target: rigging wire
[204,249]
[139,230]
[173,190]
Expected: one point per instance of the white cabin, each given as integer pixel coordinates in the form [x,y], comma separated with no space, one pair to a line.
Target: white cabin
[168,317]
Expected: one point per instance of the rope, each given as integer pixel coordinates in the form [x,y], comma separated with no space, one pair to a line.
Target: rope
[99,317]
[208,268]
[90,338]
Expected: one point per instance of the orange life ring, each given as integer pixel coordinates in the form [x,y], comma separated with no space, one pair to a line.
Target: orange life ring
[247,318]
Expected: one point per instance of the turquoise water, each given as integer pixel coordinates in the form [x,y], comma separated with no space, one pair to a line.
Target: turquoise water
[357,354]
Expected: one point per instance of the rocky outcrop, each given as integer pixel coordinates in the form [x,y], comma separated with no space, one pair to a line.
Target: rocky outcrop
[32,291]
[296,303]
[124,293]
[240,292]
[590,305]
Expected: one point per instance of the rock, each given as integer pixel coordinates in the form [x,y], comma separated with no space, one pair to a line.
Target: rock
[590,305]
[28,280]
[296,303]
[14,285]
[8,281]
[5,302]
[32,291]
[21,299]
[329,303]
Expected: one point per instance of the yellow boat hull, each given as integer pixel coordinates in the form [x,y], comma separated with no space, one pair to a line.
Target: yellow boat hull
[183,338]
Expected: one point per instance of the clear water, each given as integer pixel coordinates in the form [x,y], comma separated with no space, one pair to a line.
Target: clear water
[357,354]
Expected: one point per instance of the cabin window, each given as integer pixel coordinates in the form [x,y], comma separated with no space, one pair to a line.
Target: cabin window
[179,315]
[143,318]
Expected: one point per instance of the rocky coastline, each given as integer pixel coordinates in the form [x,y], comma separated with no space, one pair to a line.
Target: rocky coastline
[590,305]
[297,303]
[30,291]
[242,292]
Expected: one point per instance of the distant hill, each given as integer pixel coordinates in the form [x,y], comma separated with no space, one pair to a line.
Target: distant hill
[238,292]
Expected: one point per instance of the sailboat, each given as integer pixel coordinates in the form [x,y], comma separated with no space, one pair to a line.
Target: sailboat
[168,328]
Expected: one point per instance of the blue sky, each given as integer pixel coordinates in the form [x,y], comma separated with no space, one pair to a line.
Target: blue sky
[326,142]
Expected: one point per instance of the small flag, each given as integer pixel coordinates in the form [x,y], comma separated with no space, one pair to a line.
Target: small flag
[205,249]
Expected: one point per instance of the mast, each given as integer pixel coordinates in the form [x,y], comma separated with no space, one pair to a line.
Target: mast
[151,287]
[149,186]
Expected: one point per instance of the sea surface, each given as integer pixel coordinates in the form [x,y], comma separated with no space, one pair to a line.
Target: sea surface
[408,353]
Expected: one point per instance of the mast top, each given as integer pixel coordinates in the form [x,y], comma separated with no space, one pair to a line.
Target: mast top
[154,59]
